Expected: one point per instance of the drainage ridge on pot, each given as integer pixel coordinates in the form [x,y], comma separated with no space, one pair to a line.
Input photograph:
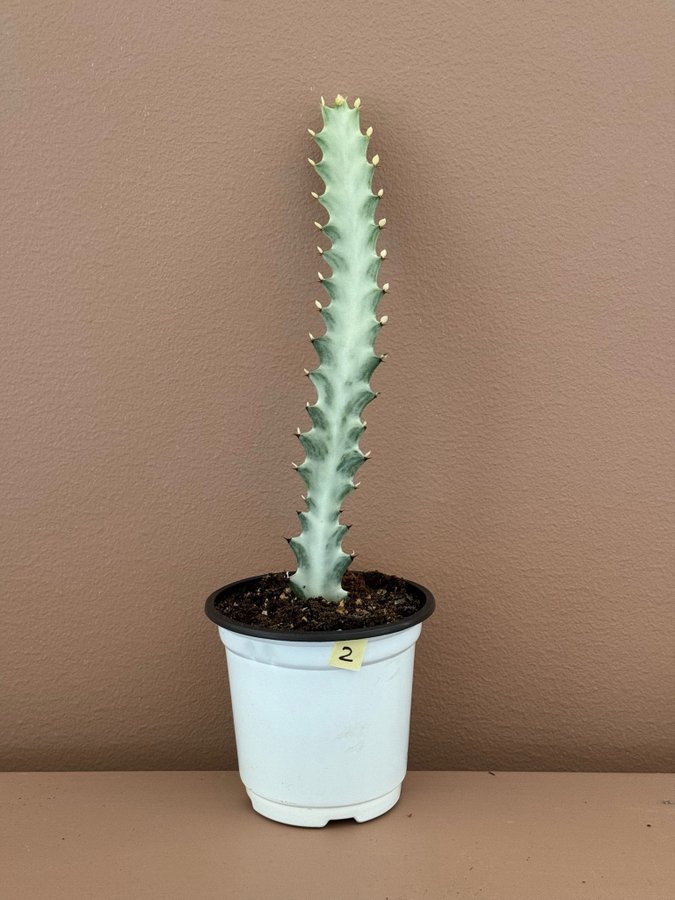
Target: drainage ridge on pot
[316,742]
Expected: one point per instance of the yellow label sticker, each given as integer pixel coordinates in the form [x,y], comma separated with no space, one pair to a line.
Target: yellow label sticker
[348,654]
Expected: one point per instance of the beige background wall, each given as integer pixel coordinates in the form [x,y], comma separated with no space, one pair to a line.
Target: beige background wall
[158,270]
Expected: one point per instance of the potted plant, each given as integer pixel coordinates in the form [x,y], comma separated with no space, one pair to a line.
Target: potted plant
[320,661]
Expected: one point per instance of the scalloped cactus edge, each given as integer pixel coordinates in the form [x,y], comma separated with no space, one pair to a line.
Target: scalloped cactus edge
[347,357]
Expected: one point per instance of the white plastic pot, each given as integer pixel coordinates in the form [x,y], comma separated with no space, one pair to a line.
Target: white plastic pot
[316,742]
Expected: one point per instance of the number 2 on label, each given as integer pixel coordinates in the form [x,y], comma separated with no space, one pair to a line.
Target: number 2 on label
[348,654]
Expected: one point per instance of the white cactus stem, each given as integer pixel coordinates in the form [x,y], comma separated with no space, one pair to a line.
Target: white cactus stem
[346,354]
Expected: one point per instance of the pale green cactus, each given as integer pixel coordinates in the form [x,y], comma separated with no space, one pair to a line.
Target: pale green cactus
[346,350]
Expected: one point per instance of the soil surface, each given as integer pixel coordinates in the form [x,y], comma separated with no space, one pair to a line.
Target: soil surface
[374,599]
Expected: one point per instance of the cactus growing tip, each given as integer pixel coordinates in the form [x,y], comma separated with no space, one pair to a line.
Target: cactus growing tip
[340,100]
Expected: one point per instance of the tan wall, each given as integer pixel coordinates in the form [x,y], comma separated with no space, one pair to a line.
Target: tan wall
[159,275]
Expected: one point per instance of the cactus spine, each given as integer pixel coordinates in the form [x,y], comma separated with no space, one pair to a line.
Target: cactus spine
[346,350]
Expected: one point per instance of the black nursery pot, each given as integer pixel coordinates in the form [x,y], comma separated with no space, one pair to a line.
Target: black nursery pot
[426,598]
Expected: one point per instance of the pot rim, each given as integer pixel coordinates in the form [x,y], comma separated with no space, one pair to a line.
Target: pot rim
[351,634]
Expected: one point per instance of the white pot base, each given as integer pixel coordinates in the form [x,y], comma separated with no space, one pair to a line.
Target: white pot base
[319,816]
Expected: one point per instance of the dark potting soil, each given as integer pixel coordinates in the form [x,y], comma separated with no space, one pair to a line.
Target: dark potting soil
[374,599]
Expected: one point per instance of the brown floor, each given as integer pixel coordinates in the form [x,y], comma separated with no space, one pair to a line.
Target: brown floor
[180,835]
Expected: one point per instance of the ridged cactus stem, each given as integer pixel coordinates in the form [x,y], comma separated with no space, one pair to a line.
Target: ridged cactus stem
[346,351]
